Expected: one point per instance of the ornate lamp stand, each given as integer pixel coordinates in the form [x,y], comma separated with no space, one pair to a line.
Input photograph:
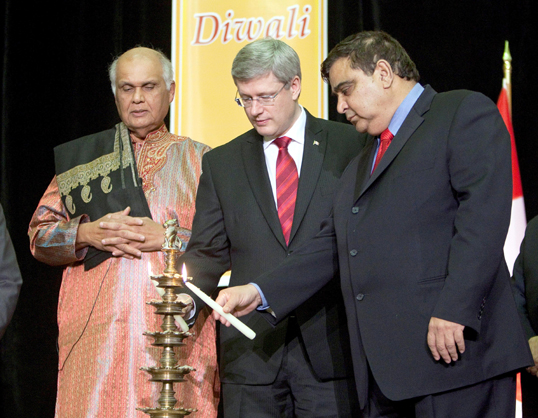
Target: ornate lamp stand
[169,372]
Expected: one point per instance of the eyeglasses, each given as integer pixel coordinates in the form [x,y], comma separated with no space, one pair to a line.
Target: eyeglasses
[262,100]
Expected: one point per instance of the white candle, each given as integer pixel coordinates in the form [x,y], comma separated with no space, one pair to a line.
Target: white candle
[182,324]
[245,330]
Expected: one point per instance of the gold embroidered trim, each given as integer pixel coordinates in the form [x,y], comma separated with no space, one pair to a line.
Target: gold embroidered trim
[86,194]
[105,184]
[82,174]
[69,203]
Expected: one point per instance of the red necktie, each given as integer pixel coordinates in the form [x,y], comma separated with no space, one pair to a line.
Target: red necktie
[286,185]
[385,137]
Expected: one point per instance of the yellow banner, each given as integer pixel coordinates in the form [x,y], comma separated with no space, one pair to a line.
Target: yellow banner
[206,36]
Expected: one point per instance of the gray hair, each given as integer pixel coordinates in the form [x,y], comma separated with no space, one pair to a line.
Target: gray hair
[264,56]
[166,64]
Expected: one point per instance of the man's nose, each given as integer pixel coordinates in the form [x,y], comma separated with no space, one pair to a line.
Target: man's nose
[341,106]
[256,108]
[138,95]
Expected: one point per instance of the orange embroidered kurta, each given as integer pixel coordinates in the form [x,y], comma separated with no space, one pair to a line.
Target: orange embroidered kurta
[102,313]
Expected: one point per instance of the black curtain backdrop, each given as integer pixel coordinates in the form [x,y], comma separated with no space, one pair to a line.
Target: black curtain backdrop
[55,88]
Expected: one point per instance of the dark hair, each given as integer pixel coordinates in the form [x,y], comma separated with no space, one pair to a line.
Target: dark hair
[365,49]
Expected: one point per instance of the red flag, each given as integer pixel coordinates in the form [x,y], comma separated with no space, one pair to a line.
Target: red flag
[518,219]
[504,108]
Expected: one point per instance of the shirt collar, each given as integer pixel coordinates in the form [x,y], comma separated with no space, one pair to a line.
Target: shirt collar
[154,136]
[296,132]
[404,108]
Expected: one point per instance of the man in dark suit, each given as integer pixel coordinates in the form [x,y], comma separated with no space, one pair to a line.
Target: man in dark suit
[419,234]
[249,218]
[525,287]
[10,276]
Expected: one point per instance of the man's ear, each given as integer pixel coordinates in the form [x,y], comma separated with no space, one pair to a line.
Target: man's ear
[295,86]
[383,70]
[172,91]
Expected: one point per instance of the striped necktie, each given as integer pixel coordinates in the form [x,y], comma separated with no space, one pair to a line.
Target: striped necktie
[287,180]
[385,138]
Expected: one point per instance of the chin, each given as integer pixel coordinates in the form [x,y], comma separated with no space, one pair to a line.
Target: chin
[361,129]
[265,132]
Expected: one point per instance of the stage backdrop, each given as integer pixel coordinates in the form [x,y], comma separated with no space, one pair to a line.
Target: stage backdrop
[206,36]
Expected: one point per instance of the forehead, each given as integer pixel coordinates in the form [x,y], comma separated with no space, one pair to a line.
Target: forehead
[138,69]
[260,85]
[342,74]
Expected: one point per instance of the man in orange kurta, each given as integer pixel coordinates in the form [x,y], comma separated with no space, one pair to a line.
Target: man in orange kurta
[101,217]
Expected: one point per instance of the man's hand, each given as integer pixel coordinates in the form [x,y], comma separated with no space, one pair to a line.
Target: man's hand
[445,339]
[533,344]
[238,300]
[187,310]
[134,236]
[121,234]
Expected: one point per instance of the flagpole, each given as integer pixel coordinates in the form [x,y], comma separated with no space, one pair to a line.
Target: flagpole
[507,70]
[518,220]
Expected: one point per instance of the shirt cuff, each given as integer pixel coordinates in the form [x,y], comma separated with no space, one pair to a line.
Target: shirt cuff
[264,304]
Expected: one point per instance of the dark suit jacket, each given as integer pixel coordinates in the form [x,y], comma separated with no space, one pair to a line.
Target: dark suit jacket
[525,287]
[423,236]
[525,280]
[236,226]
[10,276]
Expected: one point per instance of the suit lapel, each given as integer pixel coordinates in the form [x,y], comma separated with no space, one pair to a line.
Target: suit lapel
[315,146]
[413,120]
[313,155]
[364,166]
[256,171]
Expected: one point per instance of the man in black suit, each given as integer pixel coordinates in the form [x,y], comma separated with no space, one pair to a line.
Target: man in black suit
[10,276]
[419,234]
[525,287]
[301,367]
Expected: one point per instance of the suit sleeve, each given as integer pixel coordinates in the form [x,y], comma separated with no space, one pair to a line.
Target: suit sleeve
[518,288]
[207,255]
[302,274]
[524,273]
[10,276]
[479,165]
